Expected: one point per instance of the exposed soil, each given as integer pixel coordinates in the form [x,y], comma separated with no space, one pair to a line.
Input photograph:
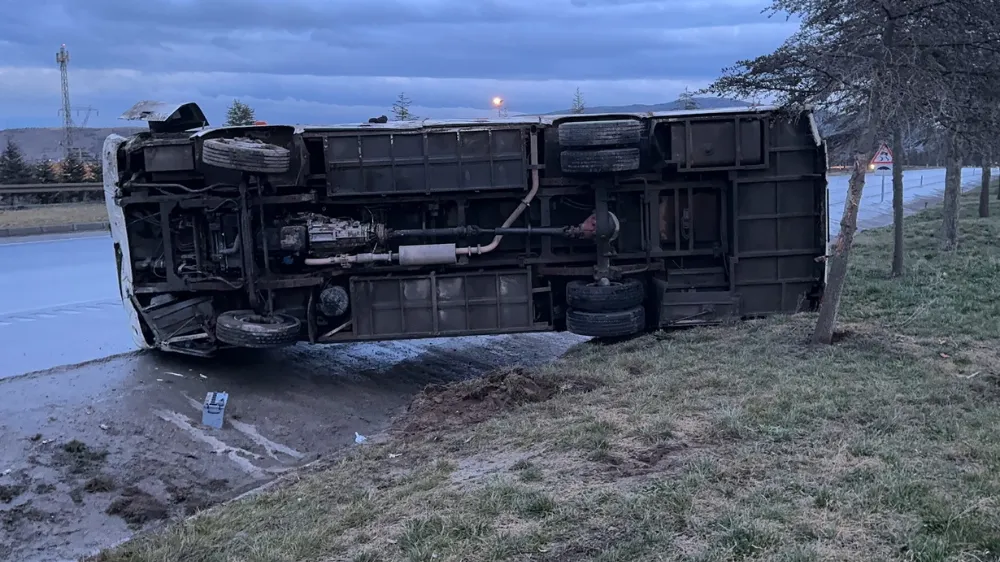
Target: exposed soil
[137,507]
[99,483]
[11,518]
[78,458]
[82,453]
[470,402]
[10,491]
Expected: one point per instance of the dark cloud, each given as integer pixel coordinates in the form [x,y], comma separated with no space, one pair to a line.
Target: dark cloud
[349,53]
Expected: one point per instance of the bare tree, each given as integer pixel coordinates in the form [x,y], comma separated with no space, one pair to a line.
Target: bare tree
[835,63]
[898,240]
[875,63]
[957,81]
[984,186]
[578,104]
[952,192]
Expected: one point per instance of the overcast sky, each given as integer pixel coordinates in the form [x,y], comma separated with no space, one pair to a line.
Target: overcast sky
[336,61]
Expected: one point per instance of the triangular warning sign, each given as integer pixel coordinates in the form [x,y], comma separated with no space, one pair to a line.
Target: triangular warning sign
[883,156]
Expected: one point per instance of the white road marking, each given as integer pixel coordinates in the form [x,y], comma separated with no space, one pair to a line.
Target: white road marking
[51,240]
[235,454]
[251,432]
[92,305]
[268,445]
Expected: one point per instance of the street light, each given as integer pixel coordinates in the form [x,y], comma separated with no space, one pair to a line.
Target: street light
[498,103]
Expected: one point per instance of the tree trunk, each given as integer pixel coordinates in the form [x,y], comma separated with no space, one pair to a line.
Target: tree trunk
[984,190]
[897,202]
[837,260]
[952,192]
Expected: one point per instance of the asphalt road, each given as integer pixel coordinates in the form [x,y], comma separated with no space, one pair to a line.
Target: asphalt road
[876,209]
[59,303]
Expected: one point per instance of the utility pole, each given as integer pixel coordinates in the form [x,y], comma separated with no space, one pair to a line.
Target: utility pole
[62,57]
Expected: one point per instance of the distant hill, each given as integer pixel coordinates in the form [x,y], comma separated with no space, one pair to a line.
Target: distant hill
[703,103]
[45,143]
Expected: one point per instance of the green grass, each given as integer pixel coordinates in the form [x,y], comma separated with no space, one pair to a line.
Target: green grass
[716,444]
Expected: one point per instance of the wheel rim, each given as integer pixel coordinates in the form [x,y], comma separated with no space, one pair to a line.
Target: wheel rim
[255,318]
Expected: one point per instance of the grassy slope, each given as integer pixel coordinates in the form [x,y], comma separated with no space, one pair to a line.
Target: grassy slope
[53,215]
[727,443]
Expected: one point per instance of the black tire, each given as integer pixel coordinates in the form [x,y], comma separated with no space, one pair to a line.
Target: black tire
[593,297]
[605,161]
[606,324]
[246,155]
[600,133]
[246,328]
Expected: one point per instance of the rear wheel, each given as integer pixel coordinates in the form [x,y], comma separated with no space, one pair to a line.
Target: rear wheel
[606,324]
[600,133]
[604,161]
[595,297]
[246,328]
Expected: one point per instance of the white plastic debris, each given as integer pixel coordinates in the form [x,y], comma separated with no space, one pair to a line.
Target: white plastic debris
[358,438]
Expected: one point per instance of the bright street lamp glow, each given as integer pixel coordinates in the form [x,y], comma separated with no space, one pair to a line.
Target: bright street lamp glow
[498,101]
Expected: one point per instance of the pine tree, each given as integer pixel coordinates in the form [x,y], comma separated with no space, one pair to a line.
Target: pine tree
[42,172]
[13,168]
[578,105]
[96,172]
[73,170]
[239,113]
[401,109]
[687,100]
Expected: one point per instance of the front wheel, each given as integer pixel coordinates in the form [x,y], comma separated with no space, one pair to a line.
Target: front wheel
[246,155]
[246,328]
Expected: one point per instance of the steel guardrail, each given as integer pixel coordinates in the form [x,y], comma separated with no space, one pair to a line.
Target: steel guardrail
[34,188]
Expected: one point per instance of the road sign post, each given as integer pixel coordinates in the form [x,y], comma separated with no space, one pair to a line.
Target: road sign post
[881,164]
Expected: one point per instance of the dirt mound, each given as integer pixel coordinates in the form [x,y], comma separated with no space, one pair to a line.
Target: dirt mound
[474,401]
[10,491]
[98,484]
[79,458]
[137,507]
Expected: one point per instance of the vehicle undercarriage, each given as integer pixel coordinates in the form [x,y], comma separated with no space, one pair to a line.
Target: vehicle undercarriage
[602,225]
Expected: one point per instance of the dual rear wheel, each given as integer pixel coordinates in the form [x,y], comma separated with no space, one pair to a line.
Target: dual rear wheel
[610,309]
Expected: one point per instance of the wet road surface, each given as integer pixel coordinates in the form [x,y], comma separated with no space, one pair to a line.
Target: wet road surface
[59,303]
[876,210]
